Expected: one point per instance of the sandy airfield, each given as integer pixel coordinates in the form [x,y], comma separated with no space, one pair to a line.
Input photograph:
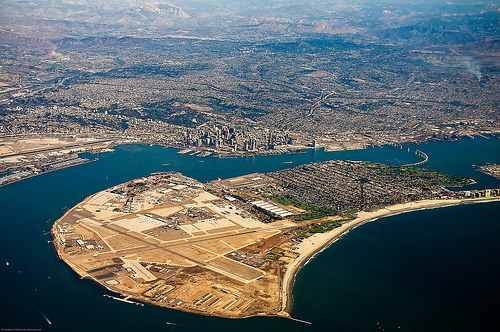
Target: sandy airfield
[166,242]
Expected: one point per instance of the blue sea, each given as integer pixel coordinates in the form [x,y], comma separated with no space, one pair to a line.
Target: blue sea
[430,270]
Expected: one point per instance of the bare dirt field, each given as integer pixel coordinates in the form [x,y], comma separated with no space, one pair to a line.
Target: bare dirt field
[172,254]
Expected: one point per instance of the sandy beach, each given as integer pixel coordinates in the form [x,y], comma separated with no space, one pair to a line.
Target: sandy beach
[316,243]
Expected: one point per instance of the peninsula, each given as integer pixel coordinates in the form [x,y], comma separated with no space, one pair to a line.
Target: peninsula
[232,247]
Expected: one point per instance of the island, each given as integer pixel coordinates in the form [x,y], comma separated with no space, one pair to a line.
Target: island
[232,247]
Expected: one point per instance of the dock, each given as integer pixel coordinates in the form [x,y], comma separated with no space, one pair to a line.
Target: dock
[126,300]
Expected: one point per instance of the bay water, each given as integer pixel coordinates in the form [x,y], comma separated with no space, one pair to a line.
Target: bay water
[431,270]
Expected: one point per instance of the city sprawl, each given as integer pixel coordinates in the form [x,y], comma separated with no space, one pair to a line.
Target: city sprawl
[245,79]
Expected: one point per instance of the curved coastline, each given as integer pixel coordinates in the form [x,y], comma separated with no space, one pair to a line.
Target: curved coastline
[315,244]
[307,249]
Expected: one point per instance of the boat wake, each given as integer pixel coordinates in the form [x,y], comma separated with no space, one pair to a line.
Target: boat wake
[45,317]
[175,324]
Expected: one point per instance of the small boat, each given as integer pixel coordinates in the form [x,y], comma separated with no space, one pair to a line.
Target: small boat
[7,262]
[45,317]
[48,320]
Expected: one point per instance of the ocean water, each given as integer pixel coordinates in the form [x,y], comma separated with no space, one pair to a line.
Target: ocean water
[430,270]
[35,287]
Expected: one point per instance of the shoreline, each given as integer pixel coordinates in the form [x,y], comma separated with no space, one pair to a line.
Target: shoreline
[307,250]
[84,161]
[315,244]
